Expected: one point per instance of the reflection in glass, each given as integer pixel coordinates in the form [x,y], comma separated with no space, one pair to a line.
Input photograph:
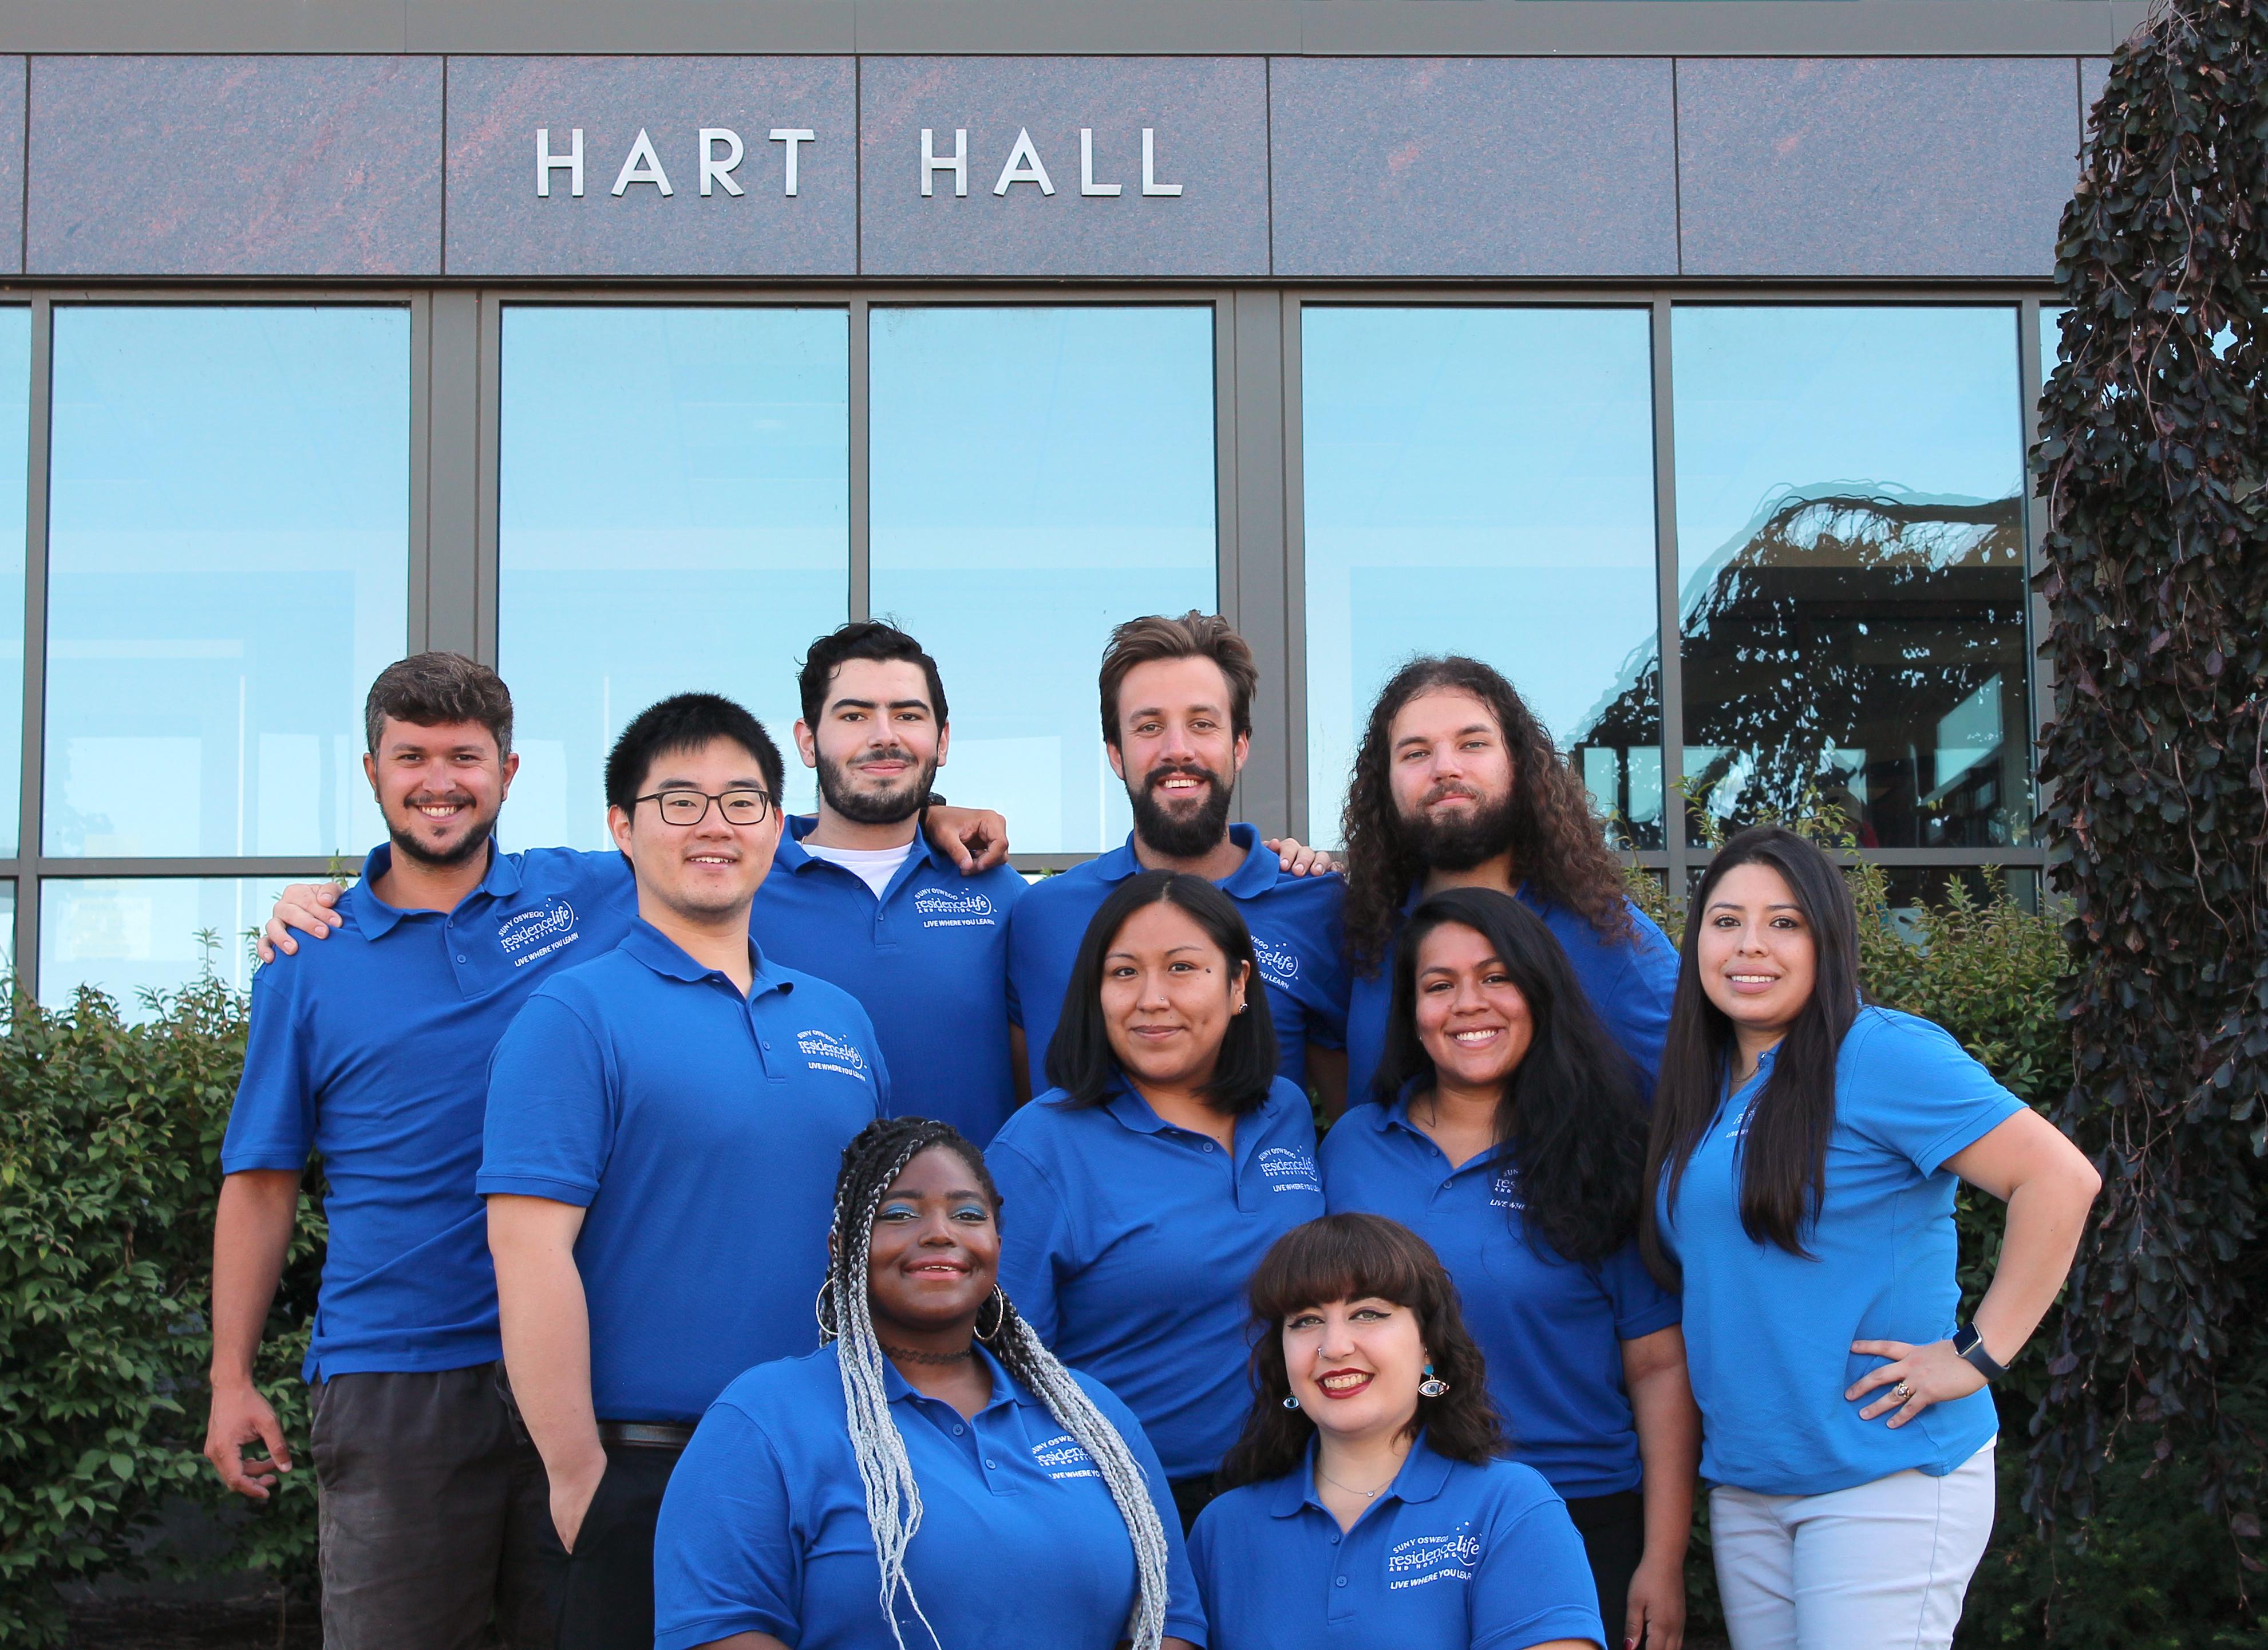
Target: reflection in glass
[1039,475]
[673,515]
[228,568]
[125,936]
[1852,568]
[1480,481]
[15,451]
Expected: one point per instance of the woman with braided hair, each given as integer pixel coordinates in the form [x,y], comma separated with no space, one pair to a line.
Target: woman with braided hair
[931,1468]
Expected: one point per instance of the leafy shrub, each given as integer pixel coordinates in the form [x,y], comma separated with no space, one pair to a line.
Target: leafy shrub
[109,1172]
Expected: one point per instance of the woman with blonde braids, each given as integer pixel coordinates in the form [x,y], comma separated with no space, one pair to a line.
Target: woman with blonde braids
[931,1468]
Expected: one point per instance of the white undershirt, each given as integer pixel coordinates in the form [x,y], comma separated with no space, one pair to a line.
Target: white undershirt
[873,866]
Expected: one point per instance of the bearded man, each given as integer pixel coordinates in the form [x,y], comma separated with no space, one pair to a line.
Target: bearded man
[1457,785]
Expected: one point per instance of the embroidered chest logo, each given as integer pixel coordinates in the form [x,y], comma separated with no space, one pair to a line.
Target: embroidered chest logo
[528,935]
[940,908]
[1063,1456]
[1424,1559]
[1504,1191]
[824,1051]
[1279,966]
[1287,1170]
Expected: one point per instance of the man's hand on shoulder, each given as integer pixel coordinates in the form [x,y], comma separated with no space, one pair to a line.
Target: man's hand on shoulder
[306,906]
[1299,860]
[974,838]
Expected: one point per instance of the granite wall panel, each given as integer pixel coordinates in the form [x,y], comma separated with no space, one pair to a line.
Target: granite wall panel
[1473,166]
[12,165]
[267,165]
[667,206]
[1889,166]
[1053,178]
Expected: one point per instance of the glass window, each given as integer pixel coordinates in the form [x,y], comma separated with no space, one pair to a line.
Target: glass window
[125,936]
[1480,481]
[674,516]
[1852,567]
[228,568]
[1040,475]
[15,460]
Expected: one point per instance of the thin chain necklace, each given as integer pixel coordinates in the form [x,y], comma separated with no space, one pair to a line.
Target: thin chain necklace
[911,1356]
[1367,1495]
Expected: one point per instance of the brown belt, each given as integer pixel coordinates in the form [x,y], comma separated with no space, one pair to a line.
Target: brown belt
[646,1434]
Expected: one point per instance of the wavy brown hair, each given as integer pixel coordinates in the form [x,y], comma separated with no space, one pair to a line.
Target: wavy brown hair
[1351,1257]
[1558,845]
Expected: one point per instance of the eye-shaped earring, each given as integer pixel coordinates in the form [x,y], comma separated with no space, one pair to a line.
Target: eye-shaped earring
[1433,1386]
[1291,1402]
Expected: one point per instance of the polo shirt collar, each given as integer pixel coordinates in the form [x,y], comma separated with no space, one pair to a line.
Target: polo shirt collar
[1127,1105]
[1006,1389]
[1520,891]
[666,957]
[378,918]
[1257,875]
[1422,1477]
[793,857]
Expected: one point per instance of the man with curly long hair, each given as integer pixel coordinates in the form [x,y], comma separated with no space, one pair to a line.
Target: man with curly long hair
[1457,785]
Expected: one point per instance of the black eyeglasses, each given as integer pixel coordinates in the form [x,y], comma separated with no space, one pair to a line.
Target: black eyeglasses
[690,807]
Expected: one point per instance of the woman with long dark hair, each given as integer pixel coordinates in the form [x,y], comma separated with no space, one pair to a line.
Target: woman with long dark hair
[1149,1180]
[1369,1501]
[1800,1176]
[1516,1145]
[931,1475]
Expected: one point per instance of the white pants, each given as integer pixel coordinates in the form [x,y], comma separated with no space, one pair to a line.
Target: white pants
[1878,1566]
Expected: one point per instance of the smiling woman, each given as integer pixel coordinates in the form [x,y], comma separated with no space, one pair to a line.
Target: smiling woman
[933,1427]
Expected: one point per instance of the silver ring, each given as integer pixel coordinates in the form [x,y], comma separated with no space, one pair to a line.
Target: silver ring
[1902,1391]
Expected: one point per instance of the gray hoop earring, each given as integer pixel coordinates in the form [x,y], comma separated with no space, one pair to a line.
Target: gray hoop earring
[999,1302]
[827,1331]
[1291,1402]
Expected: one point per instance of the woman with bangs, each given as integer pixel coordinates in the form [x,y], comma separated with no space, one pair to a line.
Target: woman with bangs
[1369,1501]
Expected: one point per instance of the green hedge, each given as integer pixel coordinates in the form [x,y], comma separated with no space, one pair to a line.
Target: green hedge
[109,1170]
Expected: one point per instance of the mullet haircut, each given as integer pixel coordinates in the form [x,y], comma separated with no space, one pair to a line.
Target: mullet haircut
[1356,1257]
[1080,1061]
[430,690]
[1783,1156]
[686,722]
[863,638]
[1193,636]
[1570,1121]
[871,1164]
[1558,845]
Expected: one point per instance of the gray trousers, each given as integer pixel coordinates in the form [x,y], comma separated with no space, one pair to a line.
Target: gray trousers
[435,1516]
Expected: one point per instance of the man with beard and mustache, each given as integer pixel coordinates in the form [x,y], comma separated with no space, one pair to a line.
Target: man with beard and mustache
[1177,725]
[1457,785]
[862,898]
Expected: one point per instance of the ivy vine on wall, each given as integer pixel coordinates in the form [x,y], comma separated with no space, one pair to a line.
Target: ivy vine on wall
[2151,462]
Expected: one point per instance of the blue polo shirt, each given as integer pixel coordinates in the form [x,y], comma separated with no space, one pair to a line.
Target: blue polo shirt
[1629,978]
[702,1131]
[1552,1330]
[372,1050]
[1296,938]
[1768,1334]
[1450,1556]
[928,961]
[1127,1242]
[1020,1546]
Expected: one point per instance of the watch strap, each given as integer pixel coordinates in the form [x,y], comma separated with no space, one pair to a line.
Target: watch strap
[1971,1345]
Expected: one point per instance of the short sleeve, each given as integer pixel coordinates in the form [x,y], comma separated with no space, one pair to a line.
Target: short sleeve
[875,1063]
[1638,1013]
[552,1109]
[1533,1584]
[1641,1305]
[1034,1236]
[725,1556]
[1184,1612]
[1906,1084]
[272,1124]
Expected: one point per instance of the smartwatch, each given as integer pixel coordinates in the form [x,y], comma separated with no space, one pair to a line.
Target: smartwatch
[1971,1345]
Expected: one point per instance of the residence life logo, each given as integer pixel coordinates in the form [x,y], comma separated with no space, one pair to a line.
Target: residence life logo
[940,908]
[823,1051]
[1424,1559]
[1287,1170]
[528,935]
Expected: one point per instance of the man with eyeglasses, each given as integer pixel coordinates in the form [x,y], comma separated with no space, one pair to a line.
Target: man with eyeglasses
[663,1125]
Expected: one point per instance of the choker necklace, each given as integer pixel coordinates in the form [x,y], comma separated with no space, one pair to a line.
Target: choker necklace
[911,1356]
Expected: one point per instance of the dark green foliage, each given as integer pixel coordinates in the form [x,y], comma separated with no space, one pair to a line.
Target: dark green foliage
[2150,462]
[109,1170]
